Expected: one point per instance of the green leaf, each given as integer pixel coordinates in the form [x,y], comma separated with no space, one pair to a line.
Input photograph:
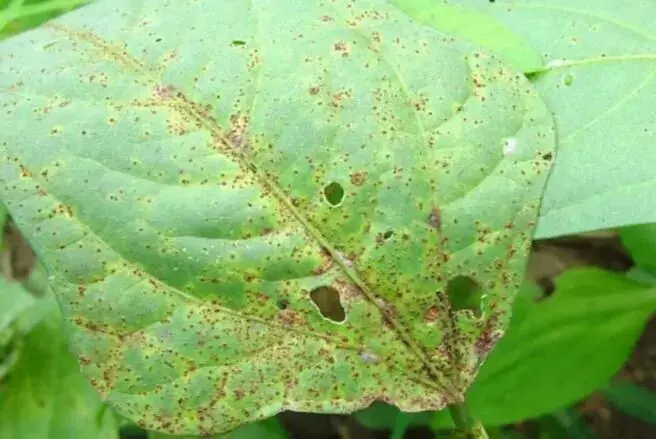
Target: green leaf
[45,396]
[567,345]
[14,300]
[474,25]
[379,416]
[267,429]
[632,400]
[261,207]
[640,241]
[598,80]
[19,15]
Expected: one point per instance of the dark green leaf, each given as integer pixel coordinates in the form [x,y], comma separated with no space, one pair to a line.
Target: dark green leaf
[640,241]
[45,396]
[632,400]
[564,348]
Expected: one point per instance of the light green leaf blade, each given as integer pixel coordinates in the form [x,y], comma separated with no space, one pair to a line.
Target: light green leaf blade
[46,396]
[599,81]
[476,26]
[202,190]
[565,347]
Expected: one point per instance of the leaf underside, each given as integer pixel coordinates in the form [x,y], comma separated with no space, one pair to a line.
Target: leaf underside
[198,176]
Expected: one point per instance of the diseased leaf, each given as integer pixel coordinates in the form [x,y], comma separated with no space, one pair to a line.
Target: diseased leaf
[261,207]
[45,396]
[599,81]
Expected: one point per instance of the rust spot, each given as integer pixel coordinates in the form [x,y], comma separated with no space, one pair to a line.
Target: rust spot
[314,91]
[435,219]
[431,315]
[288,317]
[238,126]
[341,48]
[357,178]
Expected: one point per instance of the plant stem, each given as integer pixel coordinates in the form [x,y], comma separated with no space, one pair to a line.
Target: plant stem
[468,427]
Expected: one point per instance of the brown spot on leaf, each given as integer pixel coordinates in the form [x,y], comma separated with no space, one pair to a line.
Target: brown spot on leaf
[357,178]
[431,315]
[435,219]
[342,48]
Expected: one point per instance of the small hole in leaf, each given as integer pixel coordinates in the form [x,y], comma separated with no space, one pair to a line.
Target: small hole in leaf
[568,79]
[464,293]
[282,304]
[334,193]
[238,43]
[388,234]
[329,304]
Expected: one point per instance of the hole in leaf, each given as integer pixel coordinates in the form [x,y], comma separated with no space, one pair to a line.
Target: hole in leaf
[388,234]
[282,304]
[334,193]
[329,304]
[464,293]
[568,79]
[238,43]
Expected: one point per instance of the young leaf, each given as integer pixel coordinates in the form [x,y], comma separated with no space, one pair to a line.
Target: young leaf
[46,396]
[599,81]
[261,207]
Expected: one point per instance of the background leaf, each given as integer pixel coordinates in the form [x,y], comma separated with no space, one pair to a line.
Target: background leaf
[632,400]
[640,241]
[240,212]
[267,429]
[45,395]
[565,347]
[598,80]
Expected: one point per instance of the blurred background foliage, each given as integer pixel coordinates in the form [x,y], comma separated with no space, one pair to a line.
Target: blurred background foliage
[579,360]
